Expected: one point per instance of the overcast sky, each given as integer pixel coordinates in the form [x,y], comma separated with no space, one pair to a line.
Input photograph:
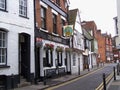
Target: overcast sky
[101,11]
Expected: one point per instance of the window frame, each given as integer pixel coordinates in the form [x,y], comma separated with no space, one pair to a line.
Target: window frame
[60,58]
[58,2]
[24,11]
[4,9]
[63,24]
[48,60]
[3,48]
[43,18]
[54,17]
[74,59]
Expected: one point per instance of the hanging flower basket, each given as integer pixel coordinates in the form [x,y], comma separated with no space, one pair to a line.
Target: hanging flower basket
[68,49]
[49,47]
[59,49]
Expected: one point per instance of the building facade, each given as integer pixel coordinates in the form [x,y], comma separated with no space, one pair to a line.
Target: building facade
[52,48]
[16,41]
[104,47]
[77,40]
[91,28]
[108,47]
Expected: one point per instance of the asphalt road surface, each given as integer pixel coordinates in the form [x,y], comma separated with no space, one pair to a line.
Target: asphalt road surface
[87,82]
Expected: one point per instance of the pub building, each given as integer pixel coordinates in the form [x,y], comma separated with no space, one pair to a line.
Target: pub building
[52,50]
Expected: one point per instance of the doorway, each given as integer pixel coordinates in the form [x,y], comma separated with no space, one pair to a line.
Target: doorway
[24,56]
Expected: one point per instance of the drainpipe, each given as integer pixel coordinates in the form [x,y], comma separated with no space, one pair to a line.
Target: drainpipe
[35,54]
[69,39]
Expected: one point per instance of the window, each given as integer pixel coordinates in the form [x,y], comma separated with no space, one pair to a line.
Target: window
[3,48]
[2,4]
[48,60]
[74,59]
[65,4]
[63,24]
[54,24]
[59,58]
[58,2]
[43,18]
[23,8]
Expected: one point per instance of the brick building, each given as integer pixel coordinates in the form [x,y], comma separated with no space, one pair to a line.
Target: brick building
[101,47]
[108,47]
[91,28]
[104,47]
[51,56]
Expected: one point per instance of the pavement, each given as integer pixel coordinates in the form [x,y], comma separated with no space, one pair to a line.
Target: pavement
[114,85]
[56,81]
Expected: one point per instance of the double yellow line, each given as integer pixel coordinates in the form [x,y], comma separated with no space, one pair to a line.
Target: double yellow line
[100,87]
[73,80]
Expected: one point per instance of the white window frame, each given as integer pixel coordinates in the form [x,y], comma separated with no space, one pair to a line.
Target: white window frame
[74,59]
[43,18]
[23,8]
[3,47]
[2,4]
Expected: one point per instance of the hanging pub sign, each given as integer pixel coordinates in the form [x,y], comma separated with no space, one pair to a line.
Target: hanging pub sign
[68,30]
[39,42]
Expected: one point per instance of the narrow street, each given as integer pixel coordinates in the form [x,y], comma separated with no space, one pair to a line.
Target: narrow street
[59,44]
[87,82]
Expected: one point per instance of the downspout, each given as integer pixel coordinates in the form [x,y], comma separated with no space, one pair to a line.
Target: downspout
[69,40]
[35,54]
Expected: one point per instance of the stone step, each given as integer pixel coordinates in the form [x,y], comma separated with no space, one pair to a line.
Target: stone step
[23,83]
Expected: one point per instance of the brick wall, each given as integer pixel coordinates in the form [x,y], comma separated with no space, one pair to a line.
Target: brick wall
[49,22]
[101,46]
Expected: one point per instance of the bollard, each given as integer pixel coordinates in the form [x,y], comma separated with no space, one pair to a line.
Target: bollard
[12,79]
[118,69]
[104,82]
[44,80]
[36,82]
[114,73]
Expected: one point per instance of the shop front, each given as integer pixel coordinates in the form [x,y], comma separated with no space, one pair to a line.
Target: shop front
[51,56]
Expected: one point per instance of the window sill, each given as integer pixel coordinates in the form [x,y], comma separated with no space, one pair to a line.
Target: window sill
[4,66]
[3,10]
[23,16]
[55,34]
[44,30]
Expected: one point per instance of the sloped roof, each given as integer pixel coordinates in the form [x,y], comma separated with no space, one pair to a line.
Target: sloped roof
[89,25]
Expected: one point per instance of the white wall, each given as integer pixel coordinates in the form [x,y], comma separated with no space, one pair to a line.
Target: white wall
[78,65]
[15,24]
[42,54]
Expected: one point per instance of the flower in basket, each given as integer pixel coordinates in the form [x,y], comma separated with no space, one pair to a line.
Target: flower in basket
[49,47]
[59,49]
[68,49]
